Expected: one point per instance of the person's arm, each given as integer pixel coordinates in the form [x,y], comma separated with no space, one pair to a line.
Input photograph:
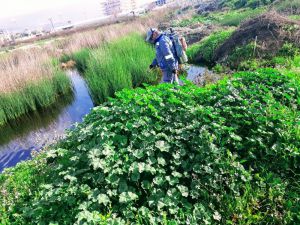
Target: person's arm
[168,55]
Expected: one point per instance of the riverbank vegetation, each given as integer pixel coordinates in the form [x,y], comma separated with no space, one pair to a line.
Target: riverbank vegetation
[269,40]
[29,82]
[31,78]
[166,156]
[116,65]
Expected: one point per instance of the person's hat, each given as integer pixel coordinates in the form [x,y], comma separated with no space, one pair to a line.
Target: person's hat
[150,33]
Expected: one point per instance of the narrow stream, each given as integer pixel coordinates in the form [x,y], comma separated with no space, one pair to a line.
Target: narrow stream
[20,138]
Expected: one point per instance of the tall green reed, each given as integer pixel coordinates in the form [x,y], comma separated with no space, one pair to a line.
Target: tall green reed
[118,65]
[33,96]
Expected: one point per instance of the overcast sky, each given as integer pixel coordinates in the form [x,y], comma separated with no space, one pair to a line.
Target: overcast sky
[15,14]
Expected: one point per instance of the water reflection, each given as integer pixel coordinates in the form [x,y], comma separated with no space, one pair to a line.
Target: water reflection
[19,139]
[194,71]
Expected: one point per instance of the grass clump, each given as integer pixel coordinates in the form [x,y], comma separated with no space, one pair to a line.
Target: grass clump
[203,51]
[117,65]
[80,57]
[224,153]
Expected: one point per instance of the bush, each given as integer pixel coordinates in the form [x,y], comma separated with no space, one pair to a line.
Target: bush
[18,187]
[295,17]
[249,65]
[165,155]
[281,61]
[203,51]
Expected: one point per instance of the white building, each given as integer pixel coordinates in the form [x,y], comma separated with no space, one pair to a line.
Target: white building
[115,7]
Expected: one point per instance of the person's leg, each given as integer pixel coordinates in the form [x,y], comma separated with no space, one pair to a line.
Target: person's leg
[167,76]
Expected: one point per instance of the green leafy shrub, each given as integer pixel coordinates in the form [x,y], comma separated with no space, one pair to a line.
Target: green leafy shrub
[18,188]
[203,51]
[163,155]
[223,18]
[295,17]
[280,61]
[296,61]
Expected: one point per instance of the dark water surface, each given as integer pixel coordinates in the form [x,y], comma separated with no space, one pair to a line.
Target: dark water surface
[194,71]
[20,138]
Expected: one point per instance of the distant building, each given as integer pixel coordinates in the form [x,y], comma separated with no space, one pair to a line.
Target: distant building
[115,7]
[161,2]
[112,7]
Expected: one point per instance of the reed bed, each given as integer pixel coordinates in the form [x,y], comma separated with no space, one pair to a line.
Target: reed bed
[29,81]
[24,67]
[118,65]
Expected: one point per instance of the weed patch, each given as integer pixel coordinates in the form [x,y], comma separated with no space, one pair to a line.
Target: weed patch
[159,155]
